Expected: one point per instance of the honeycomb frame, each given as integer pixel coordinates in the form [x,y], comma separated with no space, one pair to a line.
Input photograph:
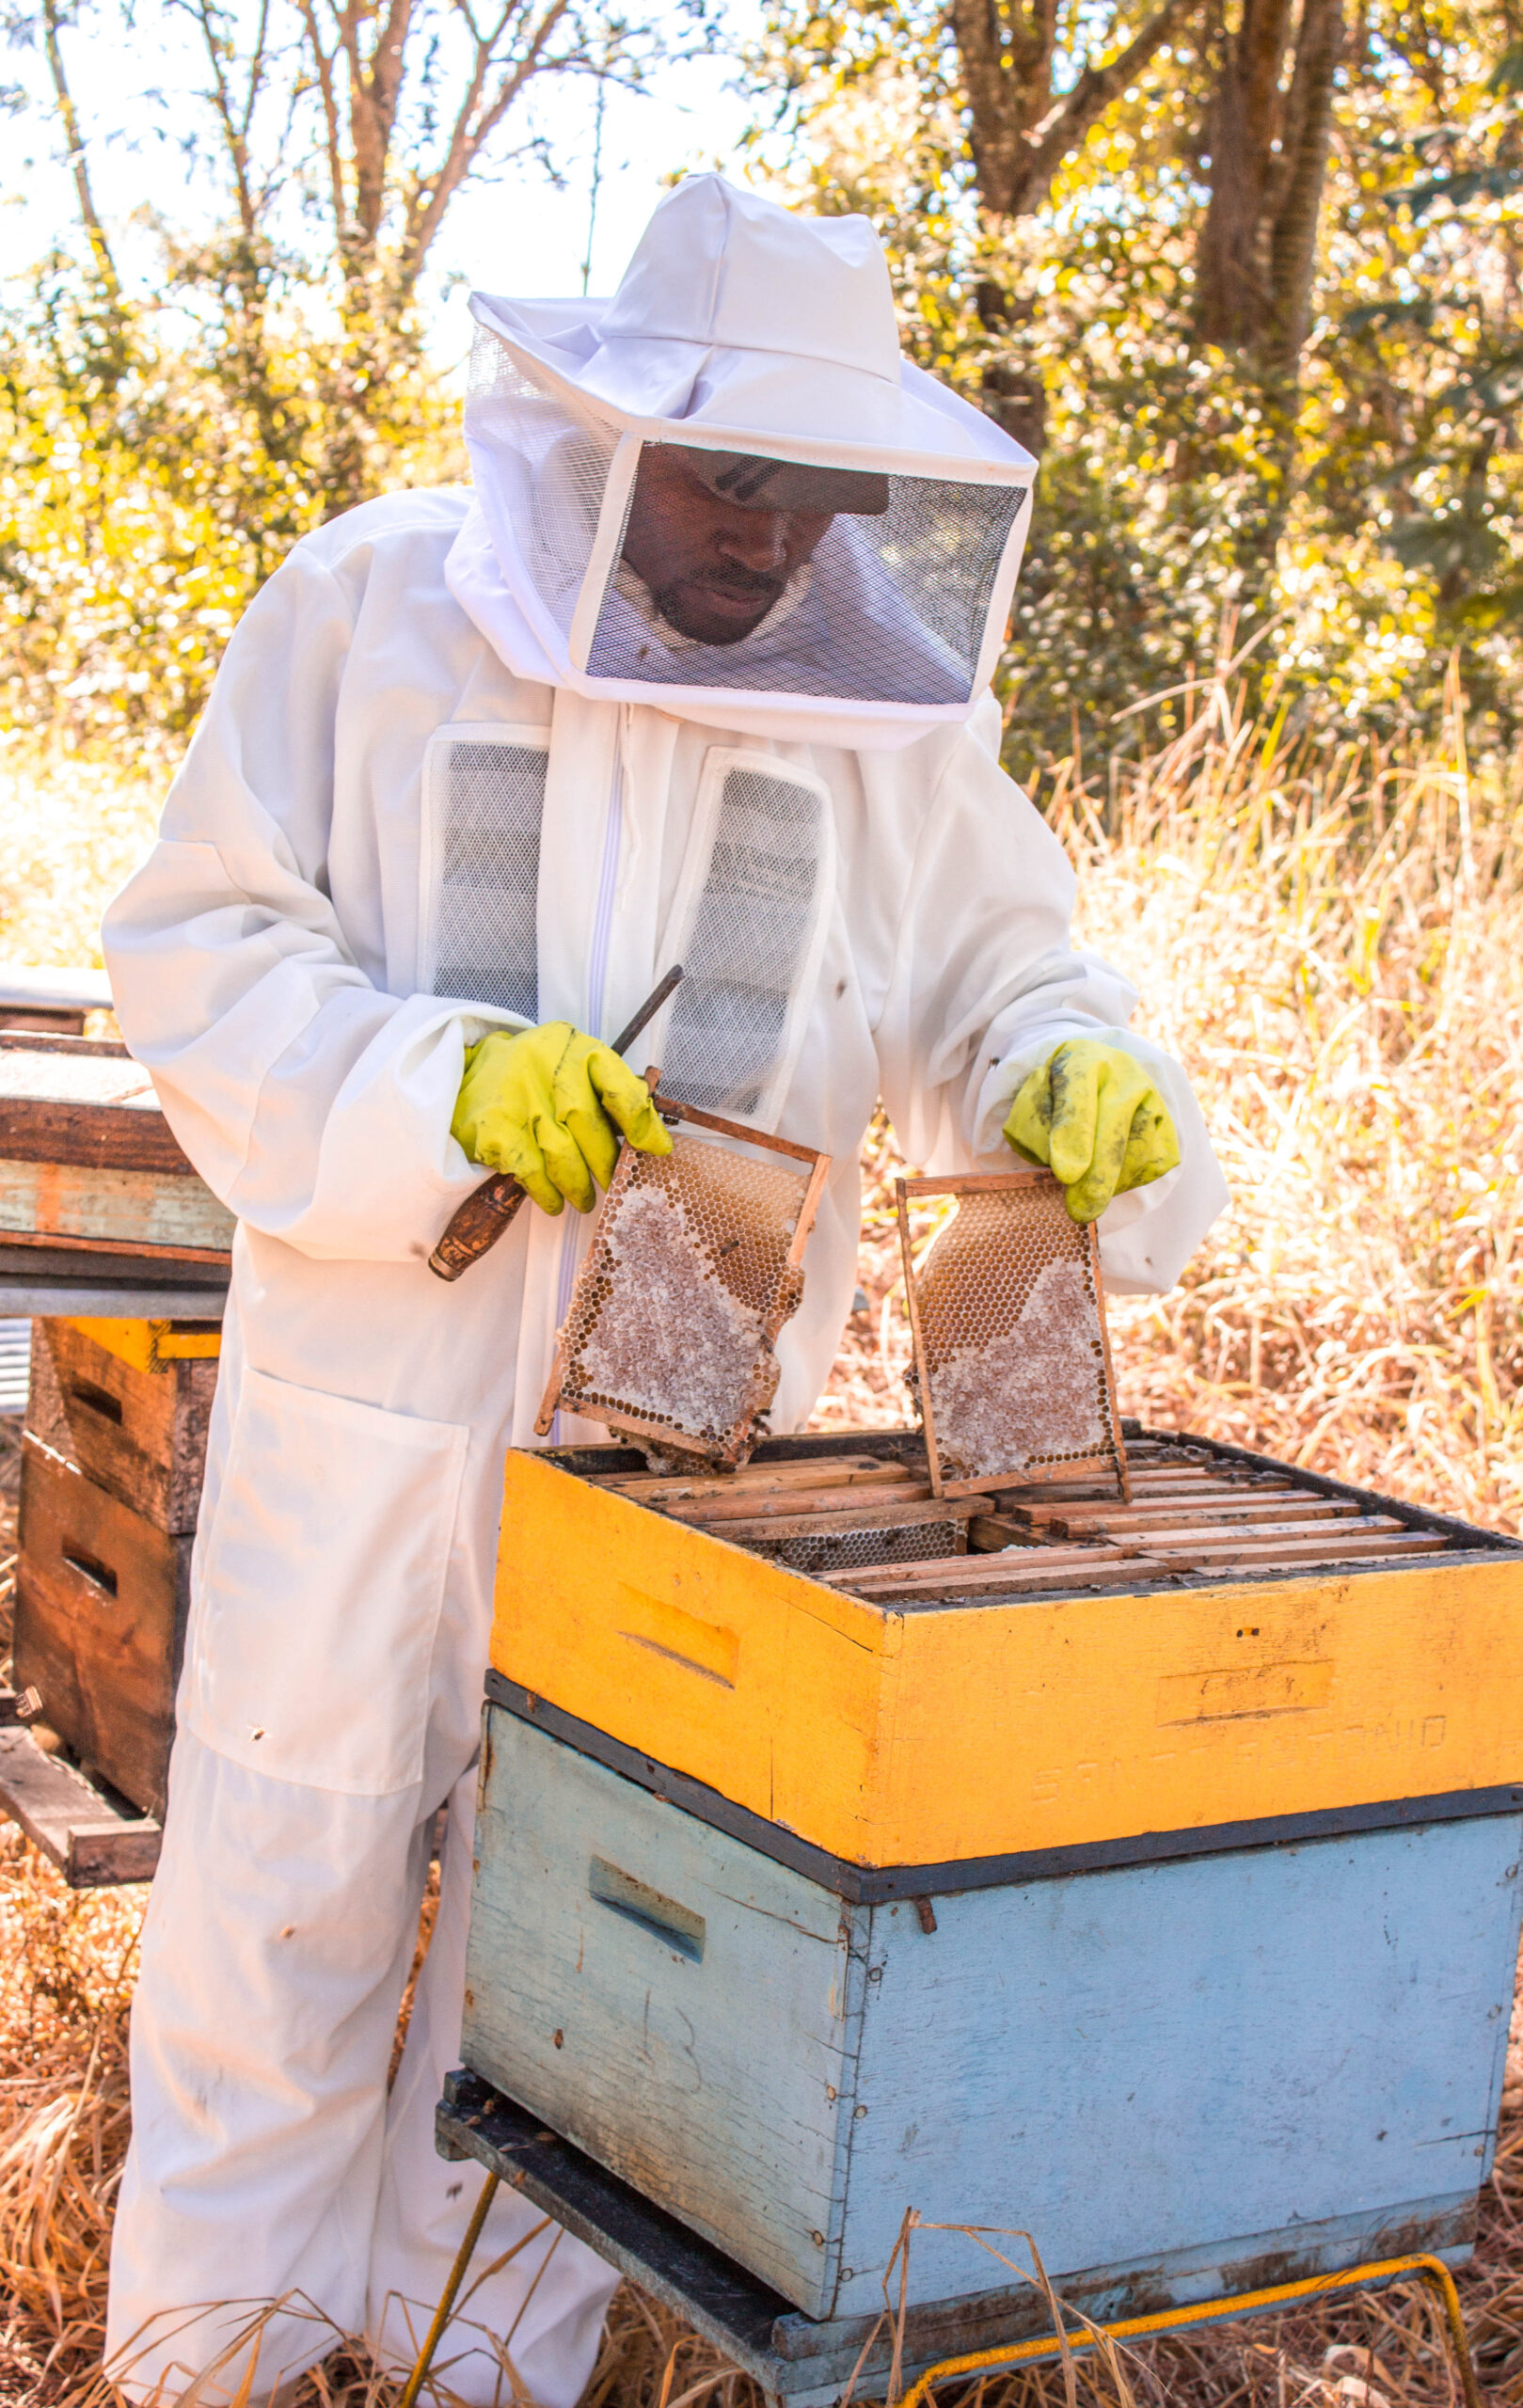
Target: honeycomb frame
[1032,1203]
[769,1293]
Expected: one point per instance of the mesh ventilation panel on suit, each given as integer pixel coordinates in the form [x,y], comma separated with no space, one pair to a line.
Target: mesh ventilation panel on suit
[1011,1362]
[742,957]
[687,1278]
[485,943]
[548,465]
[890,609]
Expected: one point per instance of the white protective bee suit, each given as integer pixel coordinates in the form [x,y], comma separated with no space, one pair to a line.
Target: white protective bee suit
[454,775]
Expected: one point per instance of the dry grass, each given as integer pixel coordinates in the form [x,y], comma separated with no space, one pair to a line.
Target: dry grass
[1334,944]
[1334,947]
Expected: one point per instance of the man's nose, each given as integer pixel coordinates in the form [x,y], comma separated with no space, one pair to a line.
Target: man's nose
[757,539]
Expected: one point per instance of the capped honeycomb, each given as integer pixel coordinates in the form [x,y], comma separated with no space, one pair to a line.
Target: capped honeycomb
[1012,1363]
[690,1275]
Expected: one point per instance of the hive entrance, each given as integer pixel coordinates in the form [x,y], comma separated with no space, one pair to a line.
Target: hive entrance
[1012,1364]
[693,1269]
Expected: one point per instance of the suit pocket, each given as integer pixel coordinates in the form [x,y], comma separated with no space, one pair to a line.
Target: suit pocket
[319,1589]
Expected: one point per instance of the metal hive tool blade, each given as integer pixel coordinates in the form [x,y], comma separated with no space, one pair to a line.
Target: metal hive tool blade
[692,1273]
[1006,1310]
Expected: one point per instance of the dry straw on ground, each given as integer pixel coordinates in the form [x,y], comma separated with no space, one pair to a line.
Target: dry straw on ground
[1333,942]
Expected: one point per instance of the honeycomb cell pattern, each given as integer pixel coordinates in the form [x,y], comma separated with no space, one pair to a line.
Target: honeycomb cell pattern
[1013,1375]
[817,1551]
[689,1272]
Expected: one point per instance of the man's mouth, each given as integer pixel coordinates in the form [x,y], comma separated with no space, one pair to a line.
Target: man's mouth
[735,590]
[734,600]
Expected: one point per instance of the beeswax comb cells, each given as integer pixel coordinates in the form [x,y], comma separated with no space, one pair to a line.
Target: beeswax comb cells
[1006,1311]
[693,1268]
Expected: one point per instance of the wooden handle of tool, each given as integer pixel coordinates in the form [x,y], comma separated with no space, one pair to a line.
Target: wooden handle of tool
[476,1224]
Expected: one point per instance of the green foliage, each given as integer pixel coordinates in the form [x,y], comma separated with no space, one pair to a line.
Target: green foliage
[146,490]
[1345,536]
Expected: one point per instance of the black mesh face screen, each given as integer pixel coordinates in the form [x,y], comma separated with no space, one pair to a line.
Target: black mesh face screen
[741,960]
[892,608]
[486,946]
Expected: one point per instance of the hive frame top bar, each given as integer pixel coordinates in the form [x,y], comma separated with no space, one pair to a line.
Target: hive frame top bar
[1038,1183]
[733,1445]
[670,1110]
[595,1460]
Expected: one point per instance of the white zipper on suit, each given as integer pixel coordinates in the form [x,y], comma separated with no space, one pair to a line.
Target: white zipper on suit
[596,977]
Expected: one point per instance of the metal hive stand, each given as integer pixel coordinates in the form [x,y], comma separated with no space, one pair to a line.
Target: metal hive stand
[798,2362]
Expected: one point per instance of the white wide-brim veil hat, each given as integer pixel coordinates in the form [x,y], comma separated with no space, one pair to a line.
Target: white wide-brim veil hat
[740,327]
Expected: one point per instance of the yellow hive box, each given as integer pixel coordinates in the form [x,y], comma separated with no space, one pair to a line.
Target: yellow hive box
[923,1733]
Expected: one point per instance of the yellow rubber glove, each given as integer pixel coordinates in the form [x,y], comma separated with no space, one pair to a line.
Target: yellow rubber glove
[1092,1114]
[546,1104]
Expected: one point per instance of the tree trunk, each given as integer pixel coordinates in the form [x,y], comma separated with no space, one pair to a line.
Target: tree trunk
[1292,241]
[1256,254]
[1243,126]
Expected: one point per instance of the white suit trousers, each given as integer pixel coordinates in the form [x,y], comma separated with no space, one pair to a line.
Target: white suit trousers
[267,2164]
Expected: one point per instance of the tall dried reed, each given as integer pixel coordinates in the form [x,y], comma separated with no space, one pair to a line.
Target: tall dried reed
[1332,942]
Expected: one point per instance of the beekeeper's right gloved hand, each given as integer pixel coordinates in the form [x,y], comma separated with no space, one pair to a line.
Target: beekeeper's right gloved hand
[546,1104]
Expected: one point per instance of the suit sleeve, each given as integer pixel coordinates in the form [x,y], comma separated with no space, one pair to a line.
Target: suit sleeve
[315,1105]
[985,981]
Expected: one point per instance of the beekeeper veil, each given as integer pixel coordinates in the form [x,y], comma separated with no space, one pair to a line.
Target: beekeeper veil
[763,347]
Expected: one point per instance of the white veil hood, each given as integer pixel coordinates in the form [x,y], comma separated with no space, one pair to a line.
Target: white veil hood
[740,327]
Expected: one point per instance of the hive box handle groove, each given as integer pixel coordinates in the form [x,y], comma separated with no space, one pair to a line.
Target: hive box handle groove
[676,1927]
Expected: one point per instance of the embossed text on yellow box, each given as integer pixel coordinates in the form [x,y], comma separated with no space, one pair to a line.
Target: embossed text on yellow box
[1239,1693]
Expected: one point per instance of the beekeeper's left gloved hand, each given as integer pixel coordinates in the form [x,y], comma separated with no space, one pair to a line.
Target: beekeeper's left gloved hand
[1092,1114]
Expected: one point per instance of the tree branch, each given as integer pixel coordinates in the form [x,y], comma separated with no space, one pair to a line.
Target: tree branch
[106,266]
[1065,127]
[374,91]
[470,131]
[323,70]
[234,133]
[1019,133]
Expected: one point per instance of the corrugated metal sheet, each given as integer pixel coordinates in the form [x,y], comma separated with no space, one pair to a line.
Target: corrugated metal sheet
[15,1360]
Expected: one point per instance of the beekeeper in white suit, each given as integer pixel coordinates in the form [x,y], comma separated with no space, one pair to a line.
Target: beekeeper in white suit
[699,673]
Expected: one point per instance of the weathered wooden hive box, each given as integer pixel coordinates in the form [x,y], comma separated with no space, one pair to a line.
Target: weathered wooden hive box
[1142,1874]
[113,1458]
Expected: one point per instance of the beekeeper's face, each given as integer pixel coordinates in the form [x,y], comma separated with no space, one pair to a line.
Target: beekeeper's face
[714,566]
